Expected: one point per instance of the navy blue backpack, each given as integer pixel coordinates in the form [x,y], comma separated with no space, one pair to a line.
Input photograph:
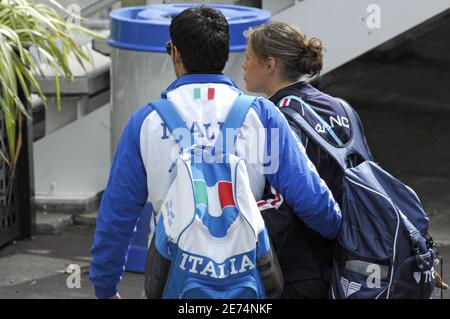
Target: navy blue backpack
[383,249]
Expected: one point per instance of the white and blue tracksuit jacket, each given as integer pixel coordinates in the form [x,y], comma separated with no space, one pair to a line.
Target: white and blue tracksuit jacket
[146,150]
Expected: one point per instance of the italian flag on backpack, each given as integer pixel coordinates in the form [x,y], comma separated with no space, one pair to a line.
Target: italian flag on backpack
[209,226]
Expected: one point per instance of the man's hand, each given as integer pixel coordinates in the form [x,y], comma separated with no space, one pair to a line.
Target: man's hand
[116,296]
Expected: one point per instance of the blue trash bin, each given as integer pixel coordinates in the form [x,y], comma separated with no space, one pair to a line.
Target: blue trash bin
[138,37]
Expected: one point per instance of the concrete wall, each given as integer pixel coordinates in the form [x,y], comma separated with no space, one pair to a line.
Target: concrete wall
[348,28]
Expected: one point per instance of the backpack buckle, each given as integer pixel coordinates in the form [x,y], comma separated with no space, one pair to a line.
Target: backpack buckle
[430,241]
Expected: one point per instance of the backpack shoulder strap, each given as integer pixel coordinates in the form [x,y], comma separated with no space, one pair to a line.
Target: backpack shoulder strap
[358,140]
[236,117]
[339,154]
[327,127]
[173,122]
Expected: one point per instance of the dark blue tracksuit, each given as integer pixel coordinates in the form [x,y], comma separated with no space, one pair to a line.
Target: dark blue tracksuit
[304,255]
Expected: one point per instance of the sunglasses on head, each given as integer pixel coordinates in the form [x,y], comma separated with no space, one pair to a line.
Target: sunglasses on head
[169,47]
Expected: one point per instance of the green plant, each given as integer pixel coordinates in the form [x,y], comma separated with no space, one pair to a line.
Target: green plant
[27,26]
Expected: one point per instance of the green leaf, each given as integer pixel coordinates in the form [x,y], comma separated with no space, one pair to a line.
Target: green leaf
[58,93]
[25,25]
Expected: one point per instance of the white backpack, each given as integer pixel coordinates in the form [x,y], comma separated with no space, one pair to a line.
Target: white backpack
[209,232]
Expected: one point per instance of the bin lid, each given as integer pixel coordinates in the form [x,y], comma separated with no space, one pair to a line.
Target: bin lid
[146,28]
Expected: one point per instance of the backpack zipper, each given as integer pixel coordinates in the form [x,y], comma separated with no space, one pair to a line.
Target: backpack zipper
[396,231]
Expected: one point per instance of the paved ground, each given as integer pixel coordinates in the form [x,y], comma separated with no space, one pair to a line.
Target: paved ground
[36,268]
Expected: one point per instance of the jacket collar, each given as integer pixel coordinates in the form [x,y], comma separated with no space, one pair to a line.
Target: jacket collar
[191,78]
[300,88]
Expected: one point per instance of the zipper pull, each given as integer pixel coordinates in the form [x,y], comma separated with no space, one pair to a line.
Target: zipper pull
[173,166]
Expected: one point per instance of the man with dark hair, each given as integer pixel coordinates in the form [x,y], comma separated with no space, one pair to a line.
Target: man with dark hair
[201,35]
[203,97]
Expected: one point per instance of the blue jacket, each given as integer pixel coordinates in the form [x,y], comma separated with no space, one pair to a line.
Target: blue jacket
[331,112]
[139,173]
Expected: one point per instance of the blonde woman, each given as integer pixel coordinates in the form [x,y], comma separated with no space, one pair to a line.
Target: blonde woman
[278,58]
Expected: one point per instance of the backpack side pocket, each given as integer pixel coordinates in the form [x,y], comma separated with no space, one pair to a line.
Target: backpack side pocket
[271,275]
[411,282]
[156,272]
